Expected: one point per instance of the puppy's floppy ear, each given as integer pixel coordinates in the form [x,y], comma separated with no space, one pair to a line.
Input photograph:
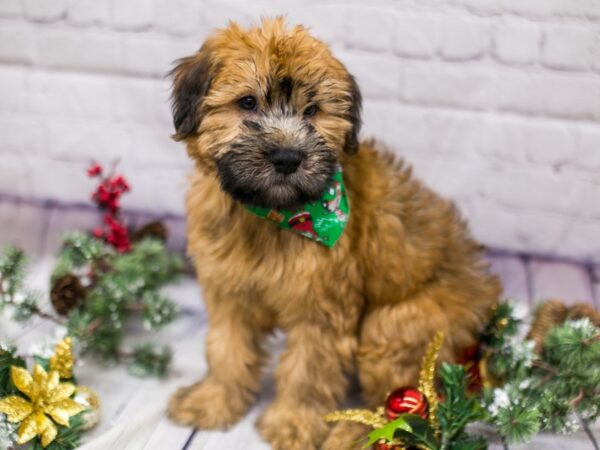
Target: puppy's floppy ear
[351,145]
[192,77]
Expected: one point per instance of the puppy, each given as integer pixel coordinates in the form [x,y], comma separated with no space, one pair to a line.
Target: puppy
[267,115]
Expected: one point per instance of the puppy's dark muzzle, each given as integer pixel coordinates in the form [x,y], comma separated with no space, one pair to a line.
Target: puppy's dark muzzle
[286,161]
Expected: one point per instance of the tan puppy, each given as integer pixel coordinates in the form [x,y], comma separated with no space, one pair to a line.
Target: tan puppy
[266,115]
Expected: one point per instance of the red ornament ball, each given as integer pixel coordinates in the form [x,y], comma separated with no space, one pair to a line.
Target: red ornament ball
[406,401]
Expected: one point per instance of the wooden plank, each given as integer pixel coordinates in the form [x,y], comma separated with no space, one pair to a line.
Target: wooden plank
[513,274]
[566,281]
[142,424]
[23,225]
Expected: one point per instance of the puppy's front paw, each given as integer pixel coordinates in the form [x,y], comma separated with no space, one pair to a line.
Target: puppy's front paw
[346,436]
[208,404]
[286,428]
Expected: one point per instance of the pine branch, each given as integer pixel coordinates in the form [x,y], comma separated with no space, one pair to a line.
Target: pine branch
[586,428]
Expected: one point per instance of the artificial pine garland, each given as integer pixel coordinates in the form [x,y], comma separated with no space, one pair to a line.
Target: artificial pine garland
[505,383]
[101,280]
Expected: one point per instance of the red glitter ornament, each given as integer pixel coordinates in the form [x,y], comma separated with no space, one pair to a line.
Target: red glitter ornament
[406,401]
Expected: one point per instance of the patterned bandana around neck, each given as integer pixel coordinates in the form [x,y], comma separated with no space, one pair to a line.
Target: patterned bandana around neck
[322,221]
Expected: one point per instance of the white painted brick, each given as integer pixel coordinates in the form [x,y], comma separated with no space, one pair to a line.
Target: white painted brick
[516,43]
[369,28]
[132,14]
[140,101]
[217,13]
[325,21]
[10,8]
[70,95]
[20,134]
[464,39]
[379,76]
[88,12]
[153,56]
[70,49]
[416,35]
[517,147]
[45,10]
[402,130]
[538,142]
[540,190]
[556,96]
[533,8]
[17,44]
[454,136]
[14,87]
[178,17]
[587,156]
[576,242]
[454,87]
[570,47]
[545,8]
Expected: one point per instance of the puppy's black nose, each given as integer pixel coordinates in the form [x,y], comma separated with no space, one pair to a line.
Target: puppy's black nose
[285,161]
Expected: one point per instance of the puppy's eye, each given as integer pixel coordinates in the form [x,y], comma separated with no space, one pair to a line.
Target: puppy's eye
[311,111]
[248,103]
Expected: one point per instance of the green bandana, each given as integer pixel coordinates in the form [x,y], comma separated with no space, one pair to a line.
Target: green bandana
[323,221]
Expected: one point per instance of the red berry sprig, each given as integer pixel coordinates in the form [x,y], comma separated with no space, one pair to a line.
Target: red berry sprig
[107,196]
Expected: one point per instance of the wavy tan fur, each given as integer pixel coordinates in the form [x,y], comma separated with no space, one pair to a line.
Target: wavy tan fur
[405,267]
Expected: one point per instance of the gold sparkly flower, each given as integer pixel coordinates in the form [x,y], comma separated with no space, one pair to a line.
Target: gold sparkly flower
[49,403]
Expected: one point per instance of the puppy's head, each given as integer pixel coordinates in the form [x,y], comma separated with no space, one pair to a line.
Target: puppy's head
[269,110]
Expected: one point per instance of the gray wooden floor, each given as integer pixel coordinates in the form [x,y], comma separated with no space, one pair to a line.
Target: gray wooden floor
[133,409]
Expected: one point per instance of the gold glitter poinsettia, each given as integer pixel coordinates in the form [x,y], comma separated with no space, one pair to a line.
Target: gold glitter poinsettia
[49,403]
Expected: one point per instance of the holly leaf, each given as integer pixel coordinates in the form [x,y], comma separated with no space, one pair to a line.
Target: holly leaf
[388,431]
[418,433]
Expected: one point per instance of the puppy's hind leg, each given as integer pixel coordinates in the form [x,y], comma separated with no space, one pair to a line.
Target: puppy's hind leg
[392,342]
[235,357]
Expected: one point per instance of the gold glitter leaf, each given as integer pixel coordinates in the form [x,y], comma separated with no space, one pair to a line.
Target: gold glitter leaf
[22,380]
[16,408]
[364,416]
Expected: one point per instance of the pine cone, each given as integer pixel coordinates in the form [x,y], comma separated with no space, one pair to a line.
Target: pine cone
[549,315]
[155,229]
[67,292]
[583,310]
[554,313]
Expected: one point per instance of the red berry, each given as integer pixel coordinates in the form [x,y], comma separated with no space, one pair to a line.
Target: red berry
[94,170]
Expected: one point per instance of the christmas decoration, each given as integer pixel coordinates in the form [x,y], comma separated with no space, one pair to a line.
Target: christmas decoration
[406,401]
[38,407]
[415,418]
[90,401]
[553,389]
[67,292]
[154,230]
[553,313]
[108,196]
[100,281]
[323,221]
[49,404]
[63,361]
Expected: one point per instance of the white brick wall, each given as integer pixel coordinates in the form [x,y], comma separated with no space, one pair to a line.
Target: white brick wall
[495,102]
